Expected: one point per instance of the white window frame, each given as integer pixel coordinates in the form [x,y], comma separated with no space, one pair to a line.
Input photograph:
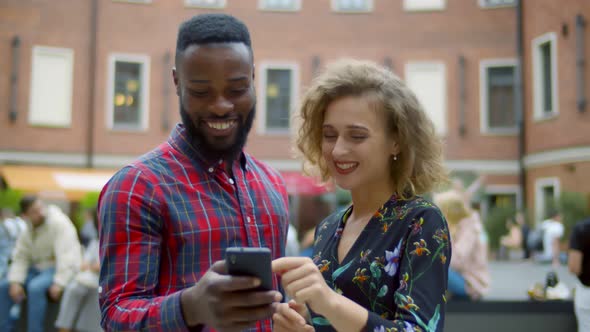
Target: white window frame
[144,60]
[191,4]
[483,4]
[501,189]
[413,6]
[442,67]
[540,184]
[263,6]
[262,81]
[68,55]
[538,93]
[336,8]
[484,65]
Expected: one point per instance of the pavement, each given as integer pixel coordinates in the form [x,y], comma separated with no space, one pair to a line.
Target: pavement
[511,279]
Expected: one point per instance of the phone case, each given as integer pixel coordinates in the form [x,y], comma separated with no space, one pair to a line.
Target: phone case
[250,261]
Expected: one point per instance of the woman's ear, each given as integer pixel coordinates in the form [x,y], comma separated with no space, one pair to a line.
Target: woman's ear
[395,148]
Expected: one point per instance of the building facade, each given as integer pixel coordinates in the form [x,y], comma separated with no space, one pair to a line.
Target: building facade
[89,83]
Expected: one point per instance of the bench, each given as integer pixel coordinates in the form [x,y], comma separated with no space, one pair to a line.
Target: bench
[510,316]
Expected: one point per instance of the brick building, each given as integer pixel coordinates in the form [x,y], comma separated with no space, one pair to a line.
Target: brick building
[87,84]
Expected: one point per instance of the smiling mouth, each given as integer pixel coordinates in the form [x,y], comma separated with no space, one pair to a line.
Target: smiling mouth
[221,125]
[344,168]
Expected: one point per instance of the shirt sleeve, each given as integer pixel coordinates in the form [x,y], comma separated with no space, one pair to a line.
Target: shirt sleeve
[68,253]
[423,271]
[130,251]
[21,259]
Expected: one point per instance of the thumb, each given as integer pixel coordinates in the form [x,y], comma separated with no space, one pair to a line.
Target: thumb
[219,267]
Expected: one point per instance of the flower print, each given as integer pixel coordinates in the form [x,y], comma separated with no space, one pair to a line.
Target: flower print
[417,227]
[338,232]
[380,214]
[441,237]
[443,258]
[406,302]
[324,265]
[317,240]
[380,261]
[365,255]
[317,257]
[380,328]
[392,260]
[359,276]
[421,248]
[403,284]
[385,226]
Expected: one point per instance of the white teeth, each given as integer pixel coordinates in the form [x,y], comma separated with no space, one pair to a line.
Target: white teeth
[345,166]
[220,125]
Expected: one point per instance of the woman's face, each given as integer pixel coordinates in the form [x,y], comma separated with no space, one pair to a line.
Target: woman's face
[355,145]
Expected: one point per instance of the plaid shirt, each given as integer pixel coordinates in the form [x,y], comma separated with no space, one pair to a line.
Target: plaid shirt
[167,217]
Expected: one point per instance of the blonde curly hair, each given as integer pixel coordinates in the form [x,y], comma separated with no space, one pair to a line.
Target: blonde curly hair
[419,166]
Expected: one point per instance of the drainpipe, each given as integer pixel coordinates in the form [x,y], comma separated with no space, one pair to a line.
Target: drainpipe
[14,75]
[91,83]
[518,101]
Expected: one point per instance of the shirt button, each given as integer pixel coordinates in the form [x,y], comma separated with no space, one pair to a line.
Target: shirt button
[210,169]
[99,290]
[231,181]
[248,219]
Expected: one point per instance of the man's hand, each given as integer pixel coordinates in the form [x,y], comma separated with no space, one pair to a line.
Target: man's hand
[225,302]
[16,292]
[55,292]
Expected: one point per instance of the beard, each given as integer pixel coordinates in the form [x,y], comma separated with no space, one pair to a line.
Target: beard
[211,150]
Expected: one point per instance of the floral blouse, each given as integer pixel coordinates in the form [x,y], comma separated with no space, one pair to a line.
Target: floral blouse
[397,268]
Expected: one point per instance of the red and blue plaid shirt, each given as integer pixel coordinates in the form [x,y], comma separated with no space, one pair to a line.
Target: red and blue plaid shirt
[167,217]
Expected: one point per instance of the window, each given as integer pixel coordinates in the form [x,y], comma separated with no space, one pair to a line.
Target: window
[280,5]
[279,84]
[427,81]
[424,5]
[501,196]
[352,6]
[205,3]
[128,92]
[497,96]
[547,192]
[545,76]
[496,3]
[50,101]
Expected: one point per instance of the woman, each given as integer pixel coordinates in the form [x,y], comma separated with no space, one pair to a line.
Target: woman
[75,295]
[468,276]
[381,263]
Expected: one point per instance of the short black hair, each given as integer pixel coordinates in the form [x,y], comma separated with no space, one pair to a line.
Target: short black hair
[212,29]
[26,202]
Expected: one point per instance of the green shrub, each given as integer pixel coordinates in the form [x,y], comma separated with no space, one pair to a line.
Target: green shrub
[10,198]
[495,224]
[573,207]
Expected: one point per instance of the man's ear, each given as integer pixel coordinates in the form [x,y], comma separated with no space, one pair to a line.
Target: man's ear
[253,72]
[175,79]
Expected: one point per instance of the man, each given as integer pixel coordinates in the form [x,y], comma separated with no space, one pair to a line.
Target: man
[579,264]
[166,219]
[11,227]
[553,231]
[46,256]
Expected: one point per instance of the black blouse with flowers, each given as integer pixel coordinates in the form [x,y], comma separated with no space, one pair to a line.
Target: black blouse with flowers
[397,268]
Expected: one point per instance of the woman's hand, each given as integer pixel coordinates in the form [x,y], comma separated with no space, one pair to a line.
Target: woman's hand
[290,317]
[304,283]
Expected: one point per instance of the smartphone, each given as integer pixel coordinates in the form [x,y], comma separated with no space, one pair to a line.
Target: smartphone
[250,261]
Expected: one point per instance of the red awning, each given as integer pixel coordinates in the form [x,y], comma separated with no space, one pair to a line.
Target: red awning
[299,184]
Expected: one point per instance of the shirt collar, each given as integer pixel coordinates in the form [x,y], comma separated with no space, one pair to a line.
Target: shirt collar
[179,139]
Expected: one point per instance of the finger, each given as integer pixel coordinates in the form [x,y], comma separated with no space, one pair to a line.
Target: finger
[303,271]
[227,283]
[298,285]
[283,264]
[282,323]
[251,299]
[219,267]
[248,314]
[291,315]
